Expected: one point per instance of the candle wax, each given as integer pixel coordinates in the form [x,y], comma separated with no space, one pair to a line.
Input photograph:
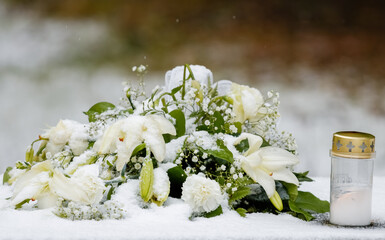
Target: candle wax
[351,207]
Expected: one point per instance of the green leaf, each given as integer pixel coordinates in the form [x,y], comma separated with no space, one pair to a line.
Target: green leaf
[309,202]
[218,122]
[97,109]
[177,177]
[243,146]
[223,153]
[265,143]
[238,125]
[110,192]
[241,211]
[180,122]
[292,190]
[302,177]
[239,194]
[176,89]
[138,148]
[298,212]
[6,175]
[19,205]
[214,213]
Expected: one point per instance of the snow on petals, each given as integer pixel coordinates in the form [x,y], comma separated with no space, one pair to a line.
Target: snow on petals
[126,134]
[174,77]
[201,193]
[83,187]
[45,184]
[264,165]
[67,131]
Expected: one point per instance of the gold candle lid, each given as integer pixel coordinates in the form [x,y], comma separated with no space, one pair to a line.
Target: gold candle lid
[353,145]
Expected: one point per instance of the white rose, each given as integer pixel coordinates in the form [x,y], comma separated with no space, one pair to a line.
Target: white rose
[202,194]
[247,102]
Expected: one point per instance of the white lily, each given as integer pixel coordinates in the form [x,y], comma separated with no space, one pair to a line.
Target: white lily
[174,77]
[35,184]
[46,184]
[126,134]
[264,165]
[84,186]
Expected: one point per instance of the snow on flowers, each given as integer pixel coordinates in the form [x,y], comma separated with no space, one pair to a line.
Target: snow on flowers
[213,145]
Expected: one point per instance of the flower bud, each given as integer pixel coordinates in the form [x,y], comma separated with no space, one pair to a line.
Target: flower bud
[29,155]
[277,201]
[146,180]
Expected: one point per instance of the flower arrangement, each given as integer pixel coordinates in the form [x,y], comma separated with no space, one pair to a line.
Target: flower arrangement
[214,145]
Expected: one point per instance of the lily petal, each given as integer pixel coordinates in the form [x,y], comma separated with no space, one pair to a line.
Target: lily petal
[164,125]
[108,143]
[154,140]
[285,175]
[276,158]
[30,188]
[265,180]
[255,142]
[66,188]
[125,150]
[25,179]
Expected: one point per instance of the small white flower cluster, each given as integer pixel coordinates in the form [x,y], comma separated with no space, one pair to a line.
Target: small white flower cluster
[75,211]
[267,127]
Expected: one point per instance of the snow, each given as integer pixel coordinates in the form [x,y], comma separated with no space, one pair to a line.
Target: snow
[171,221]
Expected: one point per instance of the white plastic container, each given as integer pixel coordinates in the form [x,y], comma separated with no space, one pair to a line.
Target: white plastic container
[351,180]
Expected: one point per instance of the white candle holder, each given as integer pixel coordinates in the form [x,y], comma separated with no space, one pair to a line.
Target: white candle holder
[352,158]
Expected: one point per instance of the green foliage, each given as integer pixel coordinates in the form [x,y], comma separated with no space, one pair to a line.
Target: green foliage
[223,153]
[177,177]
[306,204]
[138,148]
[180,122]
[19,205]
[111,190]
[214,213]
[6,175]
[265,143]
[239,194]
[241,211]
[23,165]
[243,146]
[302,177]
[97,109]
[292,190]
[219,122]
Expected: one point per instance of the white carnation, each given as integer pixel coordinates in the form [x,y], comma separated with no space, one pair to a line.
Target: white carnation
[202,194]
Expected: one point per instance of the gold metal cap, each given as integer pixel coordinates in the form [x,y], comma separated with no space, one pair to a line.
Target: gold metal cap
[353,145]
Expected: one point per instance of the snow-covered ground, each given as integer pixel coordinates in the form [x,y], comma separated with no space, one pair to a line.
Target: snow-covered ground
[171,221]
[38,87]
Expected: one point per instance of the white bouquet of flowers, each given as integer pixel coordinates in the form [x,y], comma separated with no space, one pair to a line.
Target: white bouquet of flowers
[214,145]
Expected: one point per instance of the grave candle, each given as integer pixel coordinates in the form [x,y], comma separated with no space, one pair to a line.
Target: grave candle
[352,158]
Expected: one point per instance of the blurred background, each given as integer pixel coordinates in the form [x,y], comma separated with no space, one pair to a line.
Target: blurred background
[326,58]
